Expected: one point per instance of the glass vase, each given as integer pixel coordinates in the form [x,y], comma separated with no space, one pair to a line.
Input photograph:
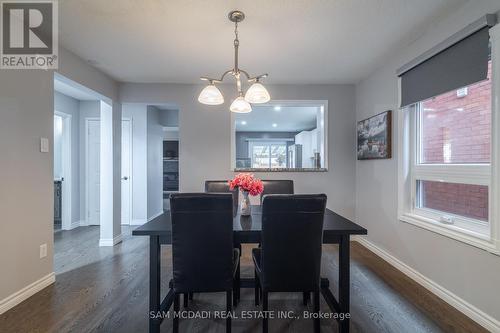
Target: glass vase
[245,207]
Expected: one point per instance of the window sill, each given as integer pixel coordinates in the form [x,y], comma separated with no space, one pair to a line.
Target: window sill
[477,240]
[280,169]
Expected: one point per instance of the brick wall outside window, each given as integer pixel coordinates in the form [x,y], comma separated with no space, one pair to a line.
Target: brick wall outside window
[457,130]
[460,199]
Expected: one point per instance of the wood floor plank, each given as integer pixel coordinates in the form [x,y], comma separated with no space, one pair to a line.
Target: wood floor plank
[105,289]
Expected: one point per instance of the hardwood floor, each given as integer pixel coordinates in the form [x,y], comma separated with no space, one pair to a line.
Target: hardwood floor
[105,290]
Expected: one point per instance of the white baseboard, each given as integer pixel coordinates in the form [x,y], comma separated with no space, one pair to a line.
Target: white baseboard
[25,293]
[110,241]
[155,215]
[74,224]
[480,317]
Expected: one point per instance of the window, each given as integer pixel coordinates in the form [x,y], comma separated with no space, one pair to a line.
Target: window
[449,157]
[449,146]
[281,136]
[470,201]
[268,154]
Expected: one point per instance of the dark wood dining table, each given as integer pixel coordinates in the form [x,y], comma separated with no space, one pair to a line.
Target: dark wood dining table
[247,229]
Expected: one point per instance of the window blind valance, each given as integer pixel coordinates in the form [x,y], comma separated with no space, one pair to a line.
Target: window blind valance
[459,61]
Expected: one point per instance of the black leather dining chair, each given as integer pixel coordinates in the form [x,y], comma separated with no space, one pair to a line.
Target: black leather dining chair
[222,186]
[204,259]
[277,187]
[290,257]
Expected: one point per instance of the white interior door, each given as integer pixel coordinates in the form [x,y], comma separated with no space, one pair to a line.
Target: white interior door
[93,171]
[62,164]
[93,168]
[126,170]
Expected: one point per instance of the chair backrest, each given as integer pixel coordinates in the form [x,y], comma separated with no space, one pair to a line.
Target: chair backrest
[222,186]
[277,187]
[292,235]
[202,241]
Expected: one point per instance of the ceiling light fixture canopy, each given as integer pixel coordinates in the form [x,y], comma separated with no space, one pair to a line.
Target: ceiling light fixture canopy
[256,94]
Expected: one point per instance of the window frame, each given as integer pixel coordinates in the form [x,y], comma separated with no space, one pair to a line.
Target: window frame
[326,159]
[481,234]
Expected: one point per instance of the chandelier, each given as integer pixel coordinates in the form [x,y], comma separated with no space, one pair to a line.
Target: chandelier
[256,94]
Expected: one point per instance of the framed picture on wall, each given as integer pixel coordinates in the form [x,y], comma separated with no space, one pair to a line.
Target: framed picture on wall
[375,137]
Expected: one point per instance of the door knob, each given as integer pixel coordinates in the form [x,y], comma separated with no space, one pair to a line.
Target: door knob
[125,178]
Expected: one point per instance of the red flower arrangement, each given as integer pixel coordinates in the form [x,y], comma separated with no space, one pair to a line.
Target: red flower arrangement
[247,182]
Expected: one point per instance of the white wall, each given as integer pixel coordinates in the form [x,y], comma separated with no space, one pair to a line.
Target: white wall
[26,178]
[169,118]
[154,162]
[468,272]
[205,137]
[138,114]
[171,135]
[26,194]
[110,174]
[71,106]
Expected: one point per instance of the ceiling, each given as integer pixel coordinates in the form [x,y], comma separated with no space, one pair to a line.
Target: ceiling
[286,119]
[295,41]
[68,88]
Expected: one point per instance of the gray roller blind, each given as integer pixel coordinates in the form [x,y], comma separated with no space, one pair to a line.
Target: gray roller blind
[459,65]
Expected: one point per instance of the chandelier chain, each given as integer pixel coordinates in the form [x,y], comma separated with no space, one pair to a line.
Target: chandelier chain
[236,45]
[236,30]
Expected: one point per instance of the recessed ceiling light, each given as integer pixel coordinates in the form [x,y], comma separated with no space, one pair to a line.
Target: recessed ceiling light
[243,122]
[277,108]
[275,125]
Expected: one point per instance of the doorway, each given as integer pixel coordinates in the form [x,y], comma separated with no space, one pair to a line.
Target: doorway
[62,171]
[92,170]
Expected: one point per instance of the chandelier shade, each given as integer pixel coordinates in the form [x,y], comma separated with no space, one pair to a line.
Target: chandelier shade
[240,105]
[211,95]
[257,93]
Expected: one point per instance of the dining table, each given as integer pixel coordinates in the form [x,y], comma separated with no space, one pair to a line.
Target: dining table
[247,229]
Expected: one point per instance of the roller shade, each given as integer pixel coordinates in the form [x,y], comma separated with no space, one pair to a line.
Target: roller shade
[457,65]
